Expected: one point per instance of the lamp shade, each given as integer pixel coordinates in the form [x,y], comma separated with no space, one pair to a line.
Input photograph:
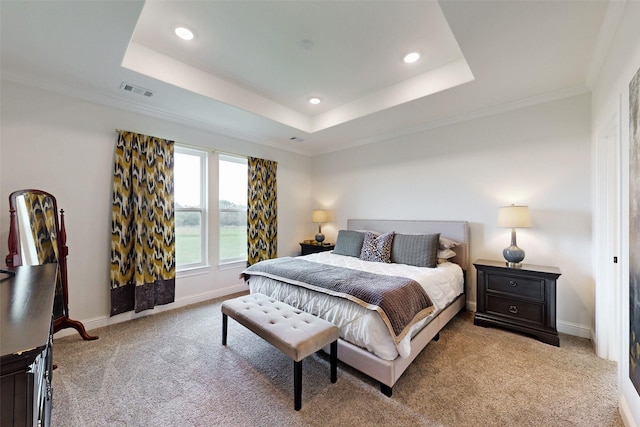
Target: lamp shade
[319,216]
[514,217]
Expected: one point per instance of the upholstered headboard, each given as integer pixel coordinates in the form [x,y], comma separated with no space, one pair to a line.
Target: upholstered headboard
[455,230]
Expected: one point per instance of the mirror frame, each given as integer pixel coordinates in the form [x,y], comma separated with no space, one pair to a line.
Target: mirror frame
[14,259]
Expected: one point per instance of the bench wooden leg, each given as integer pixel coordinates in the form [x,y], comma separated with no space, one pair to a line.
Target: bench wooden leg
[334,361]
[297,385]
[225,320]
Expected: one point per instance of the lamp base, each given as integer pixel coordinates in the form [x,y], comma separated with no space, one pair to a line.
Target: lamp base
[319,237]
[514,264]
[514,255]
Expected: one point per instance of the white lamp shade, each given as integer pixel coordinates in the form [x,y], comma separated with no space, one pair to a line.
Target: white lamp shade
[514,217]
[319,216]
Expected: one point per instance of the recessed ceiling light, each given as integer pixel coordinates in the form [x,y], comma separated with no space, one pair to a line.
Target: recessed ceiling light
[314,101]
[184,33]
[412,57]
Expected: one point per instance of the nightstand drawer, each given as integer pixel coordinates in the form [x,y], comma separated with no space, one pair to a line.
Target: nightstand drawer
[516,309]
[516,286]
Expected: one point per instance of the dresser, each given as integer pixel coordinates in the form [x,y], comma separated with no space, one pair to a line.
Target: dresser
[520,299]
[312,248]
[26,344]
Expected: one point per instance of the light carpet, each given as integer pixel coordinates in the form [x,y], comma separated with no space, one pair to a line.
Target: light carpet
[170,369]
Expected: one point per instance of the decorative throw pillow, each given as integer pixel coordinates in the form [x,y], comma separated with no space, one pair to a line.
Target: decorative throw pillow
[349,243]
[419,250]
[377,248]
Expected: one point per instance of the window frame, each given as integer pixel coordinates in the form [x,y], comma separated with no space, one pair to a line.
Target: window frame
[203,209]
[237,261]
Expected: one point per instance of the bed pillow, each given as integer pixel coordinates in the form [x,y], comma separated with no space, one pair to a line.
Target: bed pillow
[445,255]
[447,243]
[377,248]
[349,243]
[420,250]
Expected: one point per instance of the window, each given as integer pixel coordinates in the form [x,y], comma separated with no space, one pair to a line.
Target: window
[190,187]
[233,208]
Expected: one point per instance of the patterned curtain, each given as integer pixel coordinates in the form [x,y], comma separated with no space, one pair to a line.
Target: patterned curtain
[143,264]
[262,210]
[42,220]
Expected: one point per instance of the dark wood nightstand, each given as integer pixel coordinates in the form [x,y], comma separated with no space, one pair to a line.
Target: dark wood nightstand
[521,299]
[312,248]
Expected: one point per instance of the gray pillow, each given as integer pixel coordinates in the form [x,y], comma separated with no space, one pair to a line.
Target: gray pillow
[420,250]
[349,243]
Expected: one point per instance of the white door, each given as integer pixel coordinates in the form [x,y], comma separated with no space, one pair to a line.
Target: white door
[607,236]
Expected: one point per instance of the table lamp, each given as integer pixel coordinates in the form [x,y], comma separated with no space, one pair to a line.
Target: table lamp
[319,216]
[514,217]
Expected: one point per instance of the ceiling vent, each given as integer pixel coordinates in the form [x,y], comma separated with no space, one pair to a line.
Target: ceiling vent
[136,89]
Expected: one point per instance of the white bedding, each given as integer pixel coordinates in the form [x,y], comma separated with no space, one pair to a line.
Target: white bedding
[357,324]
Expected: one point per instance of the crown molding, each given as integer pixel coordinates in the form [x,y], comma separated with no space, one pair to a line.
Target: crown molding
[149,111]
[460,118]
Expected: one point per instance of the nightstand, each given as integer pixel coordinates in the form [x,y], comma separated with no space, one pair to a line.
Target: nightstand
[520,299]
[312,248]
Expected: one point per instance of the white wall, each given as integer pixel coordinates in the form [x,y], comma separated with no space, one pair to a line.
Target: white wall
[538,156]
[65,146]
[611,97]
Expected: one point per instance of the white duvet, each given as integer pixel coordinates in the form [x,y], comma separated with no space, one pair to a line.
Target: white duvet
[358,325]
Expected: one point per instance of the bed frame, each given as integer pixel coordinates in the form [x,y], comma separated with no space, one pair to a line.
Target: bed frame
[387,372]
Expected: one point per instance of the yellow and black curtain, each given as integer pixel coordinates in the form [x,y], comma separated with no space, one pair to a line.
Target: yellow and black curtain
[262,210]
[143,262]
[42,220]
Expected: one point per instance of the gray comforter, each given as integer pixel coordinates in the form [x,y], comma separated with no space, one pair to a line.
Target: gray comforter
[400,301]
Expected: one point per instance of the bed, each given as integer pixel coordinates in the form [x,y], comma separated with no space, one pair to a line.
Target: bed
[368,341]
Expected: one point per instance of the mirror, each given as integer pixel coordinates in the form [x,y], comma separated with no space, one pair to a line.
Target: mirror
[37,236]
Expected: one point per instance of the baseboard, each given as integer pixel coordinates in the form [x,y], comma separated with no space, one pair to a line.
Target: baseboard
[574,329]
[102,321]
[99,322]
[625,413]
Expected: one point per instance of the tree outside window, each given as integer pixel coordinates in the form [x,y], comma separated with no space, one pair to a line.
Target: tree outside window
[232,205]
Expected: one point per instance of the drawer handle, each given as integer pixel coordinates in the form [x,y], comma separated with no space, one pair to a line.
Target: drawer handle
[513,309]
[513,283]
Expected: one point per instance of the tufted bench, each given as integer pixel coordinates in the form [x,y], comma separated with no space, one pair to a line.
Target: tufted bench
[294,332]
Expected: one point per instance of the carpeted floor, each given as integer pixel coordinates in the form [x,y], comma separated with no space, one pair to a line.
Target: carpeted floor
[170,369]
